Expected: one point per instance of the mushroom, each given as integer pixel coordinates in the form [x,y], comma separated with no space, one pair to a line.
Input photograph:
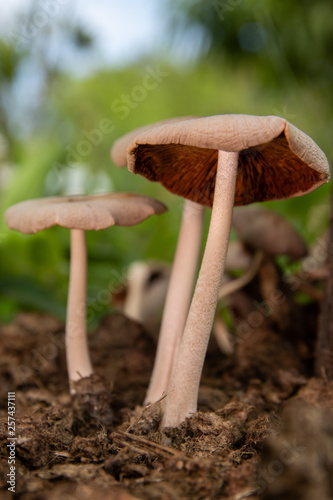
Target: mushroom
[222,336]
[145,291]
[182,277]
[263,234]
[231,286]
[265,230]
[238,257]
[220,161]
[80,214]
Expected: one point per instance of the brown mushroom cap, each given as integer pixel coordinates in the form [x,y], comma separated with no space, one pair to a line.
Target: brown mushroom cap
[82,212]
[276,159]
[261,229]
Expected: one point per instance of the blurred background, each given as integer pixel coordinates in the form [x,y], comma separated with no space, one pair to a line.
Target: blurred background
[76,75]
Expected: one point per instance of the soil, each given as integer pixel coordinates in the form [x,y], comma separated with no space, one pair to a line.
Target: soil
[264,429]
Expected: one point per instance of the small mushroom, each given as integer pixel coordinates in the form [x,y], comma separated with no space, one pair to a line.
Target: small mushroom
[147,284]
[233,285]
[262,234]
[238,257]
[220,161]
[142,295]
[265,230]
[80,214]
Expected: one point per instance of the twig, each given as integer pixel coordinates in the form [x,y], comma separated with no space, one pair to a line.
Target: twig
[120,435]
[148,407]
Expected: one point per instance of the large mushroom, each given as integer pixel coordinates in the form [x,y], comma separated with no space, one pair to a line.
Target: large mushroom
[184,268]
[220,161]
[80,214]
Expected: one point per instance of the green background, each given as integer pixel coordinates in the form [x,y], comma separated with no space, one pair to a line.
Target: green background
[259,58]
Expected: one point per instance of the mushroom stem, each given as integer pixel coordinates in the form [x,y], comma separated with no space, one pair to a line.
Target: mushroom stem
[236,284]
[137,276]
[183,394]
[178,298]
[78,359]
[222,336]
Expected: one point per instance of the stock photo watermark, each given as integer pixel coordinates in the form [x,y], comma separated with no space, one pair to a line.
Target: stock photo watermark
[120,106]
[126,102]
[47,10]
[11,446]
[222,7]
[289,453]
[284,113]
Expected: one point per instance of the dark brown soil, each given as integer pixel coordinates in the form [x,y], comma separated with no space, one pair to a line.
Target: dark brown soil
[264,429]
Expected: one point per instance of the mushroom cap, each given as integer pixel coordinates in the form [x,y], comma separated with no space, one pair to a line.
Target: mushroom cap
[261,229]
[82,212]
[119,149]
[276,160]
[238,257]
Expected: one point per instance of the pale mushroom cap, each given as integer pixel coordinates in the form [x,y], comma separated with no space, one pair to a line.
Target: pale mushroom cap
[82,212]
[276,159]
[119,148]
[261,229]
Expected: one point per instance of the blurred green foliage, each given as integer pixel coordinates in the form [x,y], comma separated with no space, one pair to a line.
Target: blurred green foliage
[76,120]
[283,42]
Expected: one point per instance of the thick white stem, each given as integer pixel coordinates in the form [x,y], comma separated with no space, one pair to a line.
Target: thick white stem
[78,359]
[182,399]
[178,298]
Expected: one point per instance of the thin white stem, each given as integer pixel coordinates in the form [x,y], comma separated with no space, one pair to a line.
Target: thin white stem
[182,399]
[178,298]
[222,336]
[78,359]
[236,284]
